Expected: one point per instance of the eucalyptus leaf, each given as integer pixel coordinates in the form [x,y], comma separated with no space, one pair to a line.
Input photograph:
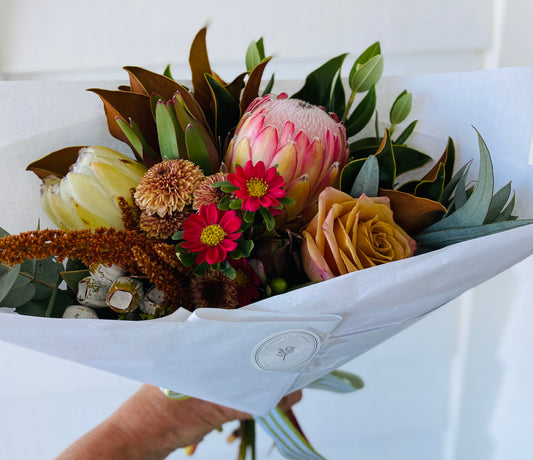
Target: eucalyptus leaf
[7,280]
[319,83]
[498,202]
[367,75]
[506,213]
[367,181]
[452,184]
[474,211]
[445,237]
[19,295]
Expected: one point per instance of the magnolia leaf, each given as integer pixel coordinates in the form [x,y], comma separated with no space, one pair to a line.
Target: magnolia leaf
[498,202]
[191,104]
[362,114]
[200,148]
[367,75]
[338,382]
[319,83]
[199,63]
[406,133]
[235,87]
[146,82]
[401,107]
[373,50]
[412,213]
[269,86]
[225,108]
[445,237]
[73,277]
[166,131]
[474,211]
[367,181]
[432,189]
[387,162]
[128,105]
[133,138]
[56,163]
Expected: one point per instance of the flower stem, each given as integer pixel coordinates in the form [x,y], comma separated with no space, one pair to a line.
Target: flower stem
[348,107]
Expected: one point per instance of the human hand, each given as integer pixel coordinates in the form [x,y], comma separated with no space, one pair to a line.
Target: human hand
[151,426]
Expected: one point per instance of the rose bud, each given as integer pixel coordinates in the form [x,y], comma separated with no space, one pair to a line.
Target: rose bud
[92,293]
[124,294]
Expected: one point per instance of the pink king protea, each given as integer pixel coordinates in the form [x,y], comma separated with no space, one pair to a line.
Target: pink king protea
[306,143]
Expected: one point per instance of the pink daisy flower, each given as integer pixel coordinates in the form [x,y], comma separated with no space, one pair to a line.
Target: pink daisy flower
[211,234]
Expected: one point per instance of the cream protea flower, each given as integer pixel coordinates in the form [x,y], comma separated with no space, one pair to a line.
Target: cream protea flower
[306,143]
[86,197]
[168,187]
[164,227]
[205,194]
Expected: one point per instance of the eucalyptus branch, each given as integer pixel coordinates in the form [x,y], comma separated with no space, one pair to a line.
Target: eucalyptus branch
[31,277]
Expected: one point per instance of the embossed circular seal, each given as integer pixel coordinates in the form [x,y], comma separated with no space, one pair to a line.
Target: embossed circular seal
[285,350]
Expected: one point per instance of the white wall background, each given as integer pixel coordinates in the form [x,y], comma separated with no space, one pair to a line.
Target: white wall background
[454,386]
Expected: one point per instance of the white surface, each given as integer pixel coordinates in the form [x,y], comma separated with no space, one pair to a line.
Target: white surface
[456,385]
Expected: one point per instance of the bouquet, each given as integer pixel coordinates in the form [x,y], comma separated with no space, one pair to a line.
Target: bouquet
[255,225]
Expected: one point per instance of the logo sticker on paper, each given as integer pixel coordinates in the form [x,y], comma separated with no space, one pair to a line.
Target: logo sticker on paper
[285,350]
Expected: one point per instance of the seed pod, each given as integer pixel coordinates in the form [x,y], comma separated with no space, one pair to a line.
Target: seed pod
[92,293]
[106,274]
[153,303]
[79,312]
[124,294]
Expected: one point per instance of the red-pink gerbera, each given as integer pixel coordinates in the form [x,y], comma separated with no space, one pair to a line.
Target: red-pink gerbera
[211,233]
[257,186]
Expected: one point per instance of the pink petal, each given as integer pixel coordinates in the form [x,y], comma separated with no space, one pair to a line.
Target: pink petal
[264,145]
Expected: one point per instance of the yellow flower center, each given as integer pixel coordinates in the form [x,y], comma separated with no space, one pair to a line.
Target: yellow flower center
[256,187]
[212,235]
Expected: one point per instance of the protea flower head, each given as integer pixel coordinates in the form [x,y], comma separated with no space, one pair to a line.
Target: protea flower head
[86,197]
[307,144]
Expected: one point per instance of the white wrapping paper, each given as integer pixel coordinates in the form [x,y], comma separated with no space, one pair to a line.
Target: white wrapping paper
[213,354]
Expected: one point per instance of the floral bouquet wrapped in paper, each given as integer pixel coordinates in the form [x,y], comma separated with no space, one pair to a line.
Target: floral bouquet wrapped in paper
[260,238]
